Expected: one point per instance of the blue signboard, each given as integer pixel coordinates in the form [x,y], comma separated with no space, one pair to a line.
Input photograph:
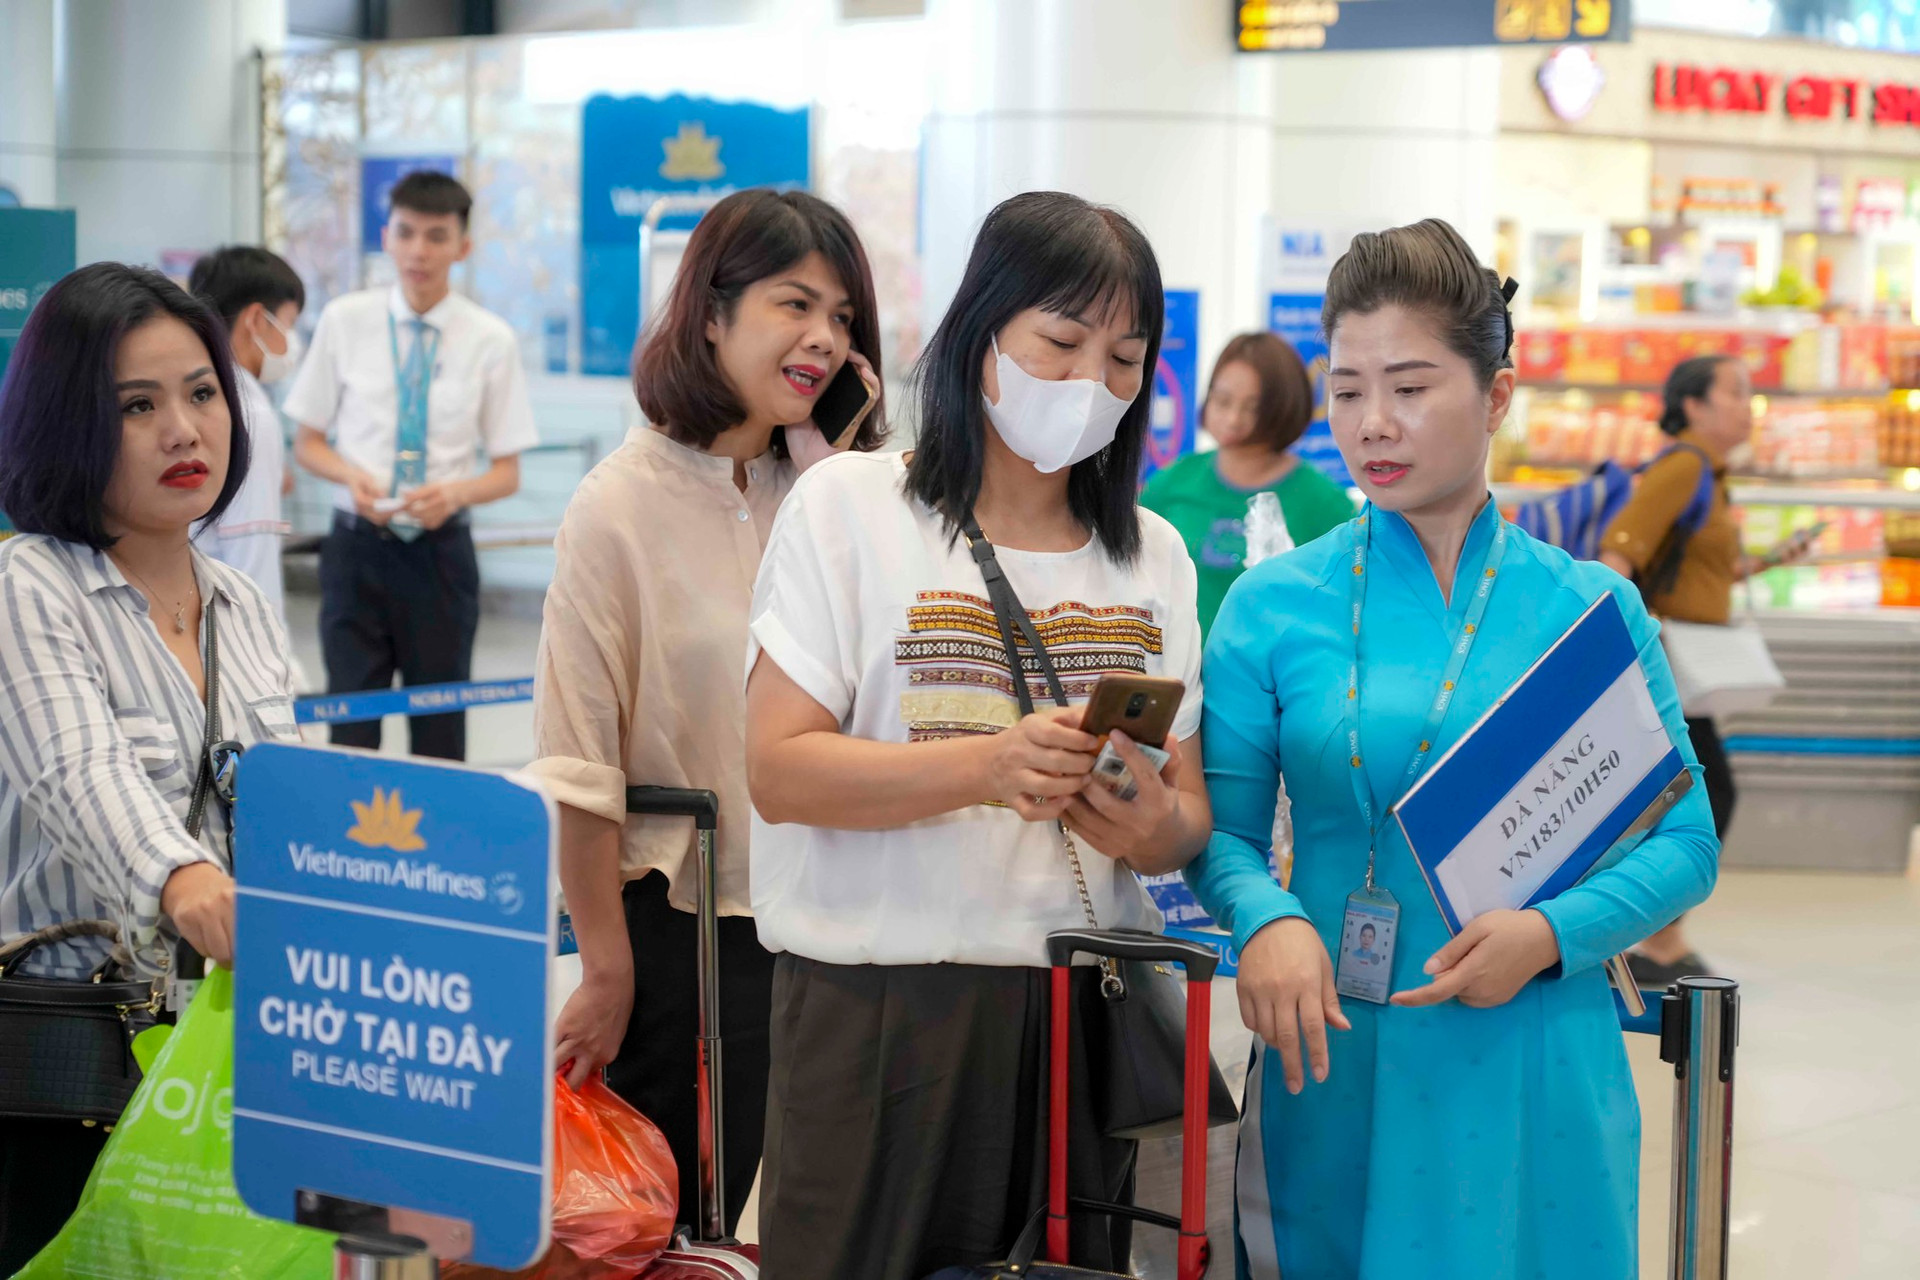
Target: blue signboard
[36,249]
[391,1045]
[1293,26]
[1295,317]
[377,176]
[635,150]
[1176,385]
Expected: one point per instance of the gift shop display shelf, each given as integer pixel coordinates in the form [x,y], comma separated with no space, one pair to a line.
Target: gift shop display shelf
[1829,776]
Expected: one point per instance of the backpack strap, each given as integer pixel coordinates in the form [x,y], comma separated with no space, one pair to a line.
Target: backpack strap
[1664,569]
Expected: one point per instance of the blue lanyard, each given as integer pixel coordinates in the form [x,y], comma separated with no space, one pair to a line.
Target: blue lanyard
[1442,698]
[413,383]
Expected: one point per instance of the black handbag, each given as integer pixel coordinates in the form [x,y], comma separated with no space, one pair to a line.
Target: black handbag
[1133,1022]
[66,1047]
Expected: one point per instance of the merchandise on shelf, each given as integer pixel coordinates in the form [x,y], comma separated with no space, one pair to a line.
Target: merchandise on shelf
[1848,357]
[1900,430]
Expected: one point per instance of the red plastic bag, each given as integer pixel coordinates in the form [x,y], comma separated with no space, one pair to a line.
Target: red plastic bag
[615,1190]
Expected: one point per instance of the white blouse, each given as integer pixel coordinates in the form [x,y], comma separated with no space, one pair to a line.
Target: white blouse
[866,602]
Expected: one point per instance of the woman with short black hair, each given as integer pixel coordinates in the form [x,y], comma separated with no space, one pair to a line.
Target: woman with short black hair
[910,845]
[641,657]
[118,439]
[1259,403]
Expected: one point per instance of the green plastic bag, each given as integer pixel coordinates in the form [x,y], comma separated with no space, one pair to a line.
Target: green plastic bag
[160,1204]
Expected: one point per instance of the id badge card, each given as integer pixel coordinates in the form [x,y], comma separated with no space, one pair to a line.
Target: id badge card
[1367,938]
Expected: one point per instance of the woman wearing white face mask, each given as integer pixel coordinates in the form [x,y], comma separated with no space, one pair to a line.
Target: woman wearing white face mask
[260,297]
[908,857]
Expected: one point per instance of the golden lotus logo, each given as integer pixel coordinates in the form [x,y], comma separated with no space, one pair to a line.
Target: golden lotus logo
[693,156]
[384,824]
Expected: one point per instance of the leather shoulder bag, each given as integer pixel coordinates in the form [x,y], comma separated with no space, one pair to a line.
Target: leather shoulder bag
[1134,1023]
[65,1044]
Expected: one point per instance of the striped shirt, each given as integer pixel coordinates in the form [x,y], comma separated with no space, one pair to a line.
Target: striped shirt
[100,733]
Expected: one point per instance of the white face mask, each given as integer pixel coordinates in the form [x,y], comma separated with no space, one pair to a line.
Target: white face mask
[275,367]
[1053,424]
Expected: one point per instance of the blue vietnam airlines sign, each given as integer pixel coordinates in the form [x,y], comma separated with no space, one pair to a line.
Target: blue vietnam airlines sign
[633,151]
[391,1041]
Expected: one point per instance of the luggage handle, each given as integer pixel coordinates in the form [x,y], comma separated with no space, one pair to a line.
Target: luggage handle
[710,1224]
[1200,963]
[677,802]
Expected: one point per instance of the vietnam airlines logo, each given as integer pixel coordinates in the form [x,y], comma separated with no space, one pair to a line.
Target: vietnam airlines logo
[384,824]
[693,156]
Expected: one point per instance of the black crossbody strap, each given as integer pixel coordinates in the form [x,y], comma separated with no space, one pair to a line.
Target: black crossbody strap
[203,779]
[1010,613]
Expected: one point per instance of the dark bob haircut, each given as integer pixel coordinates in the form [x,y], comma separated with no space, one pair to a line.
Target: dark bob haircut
[60,420]
[1058,253]
[434,194]
[234,277]
[1691,379]
[1428,268]
[748,236]
[1286,392]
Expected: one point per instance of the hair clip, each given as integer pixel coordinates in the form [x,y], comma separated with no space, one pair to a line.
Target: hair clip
[1510,288]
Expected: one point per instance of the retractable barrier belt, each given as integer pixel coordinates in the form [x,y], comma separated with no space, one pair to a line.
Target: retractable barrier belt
[414,700]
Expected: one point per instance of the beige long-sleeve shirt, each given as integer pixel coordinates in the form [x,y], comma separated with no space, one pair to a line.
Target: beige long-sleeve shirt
[645,636]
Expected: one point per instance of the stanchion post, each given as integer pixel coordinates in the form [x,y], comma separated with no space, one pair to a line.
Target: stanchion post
[1699,1031]
[382,1257]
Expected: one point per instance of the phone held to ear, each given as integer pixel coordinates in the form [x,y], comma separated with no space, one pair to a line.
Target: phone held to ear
[1143,708]
[843,406]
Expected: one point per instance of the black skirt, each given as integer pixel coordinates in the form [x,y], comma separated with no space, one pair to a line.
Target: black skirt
[906,1122]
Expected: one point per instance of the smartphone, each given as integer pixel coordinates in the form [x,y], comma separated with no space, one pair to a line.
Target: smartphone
[1143,708]
[842,406]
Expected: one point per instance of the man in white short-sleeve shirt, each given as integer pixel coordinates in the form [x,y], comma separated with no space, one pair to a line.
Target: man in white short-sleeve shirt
[404,389]
[260,297]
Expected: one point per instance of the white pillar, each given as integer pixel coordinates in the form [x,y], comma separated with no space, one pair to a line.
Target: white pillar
[159,129]
[1147,105]
[1140,104]
[1373,140]
[27,137]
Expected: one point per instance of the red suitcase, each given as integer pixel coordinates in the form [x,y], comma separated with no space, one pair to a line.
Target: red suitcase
[1200,963]
[703,1251]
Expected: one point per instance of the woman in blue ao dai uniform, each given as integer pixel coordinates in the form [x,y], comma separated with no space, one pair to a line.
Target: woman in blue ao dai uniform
[1482,1124]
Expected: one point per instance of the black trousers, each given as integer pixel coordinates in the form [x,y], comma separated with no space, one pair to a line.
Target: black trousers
[390,606]
[659,1058]
[907,1122]
[1721,793]
[43,1168]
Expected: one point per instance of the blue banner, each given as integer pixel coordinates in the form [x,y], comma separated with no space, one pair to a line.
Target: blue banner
[635,150]
[36,249]
[1176,385]
[377,176]
[1295,317]
[393,932]
[1301,26]
[414,700]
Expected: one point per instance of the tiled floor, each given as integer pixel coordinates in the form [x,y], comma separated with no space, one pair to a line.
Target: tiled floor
[1826,1178]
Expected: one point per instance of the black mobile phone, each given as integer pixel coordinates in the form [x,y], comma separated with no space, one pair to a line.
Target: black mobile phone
[840,404]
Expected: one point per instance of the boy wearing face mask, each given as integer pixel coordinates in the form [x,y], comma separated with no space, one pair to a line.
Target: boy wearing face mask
[260,298]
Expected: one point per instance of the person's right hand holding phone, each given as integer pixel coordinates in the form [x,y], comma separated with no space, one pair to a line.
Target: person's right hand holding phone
[1038,765]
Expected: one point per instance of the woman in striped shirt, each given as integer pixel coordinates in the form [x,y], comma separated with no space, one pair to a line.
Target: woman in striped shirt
[119,437]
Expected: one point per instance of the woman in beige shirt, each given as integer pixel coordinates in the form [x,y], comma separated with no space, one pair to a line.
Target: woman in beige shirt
[645,640]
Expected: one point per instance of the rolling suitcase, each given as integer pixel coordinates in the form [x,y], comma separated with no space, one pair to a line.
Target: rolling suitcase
[702,1251]
[1046,1235]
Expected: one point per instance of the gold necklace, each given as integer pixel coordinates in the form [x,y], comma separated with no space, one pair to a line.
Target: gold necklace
[179,609]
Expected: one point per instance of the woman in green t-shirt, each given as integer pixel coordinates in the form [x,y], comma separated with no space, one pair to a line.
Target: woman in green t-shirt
[1258,404]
